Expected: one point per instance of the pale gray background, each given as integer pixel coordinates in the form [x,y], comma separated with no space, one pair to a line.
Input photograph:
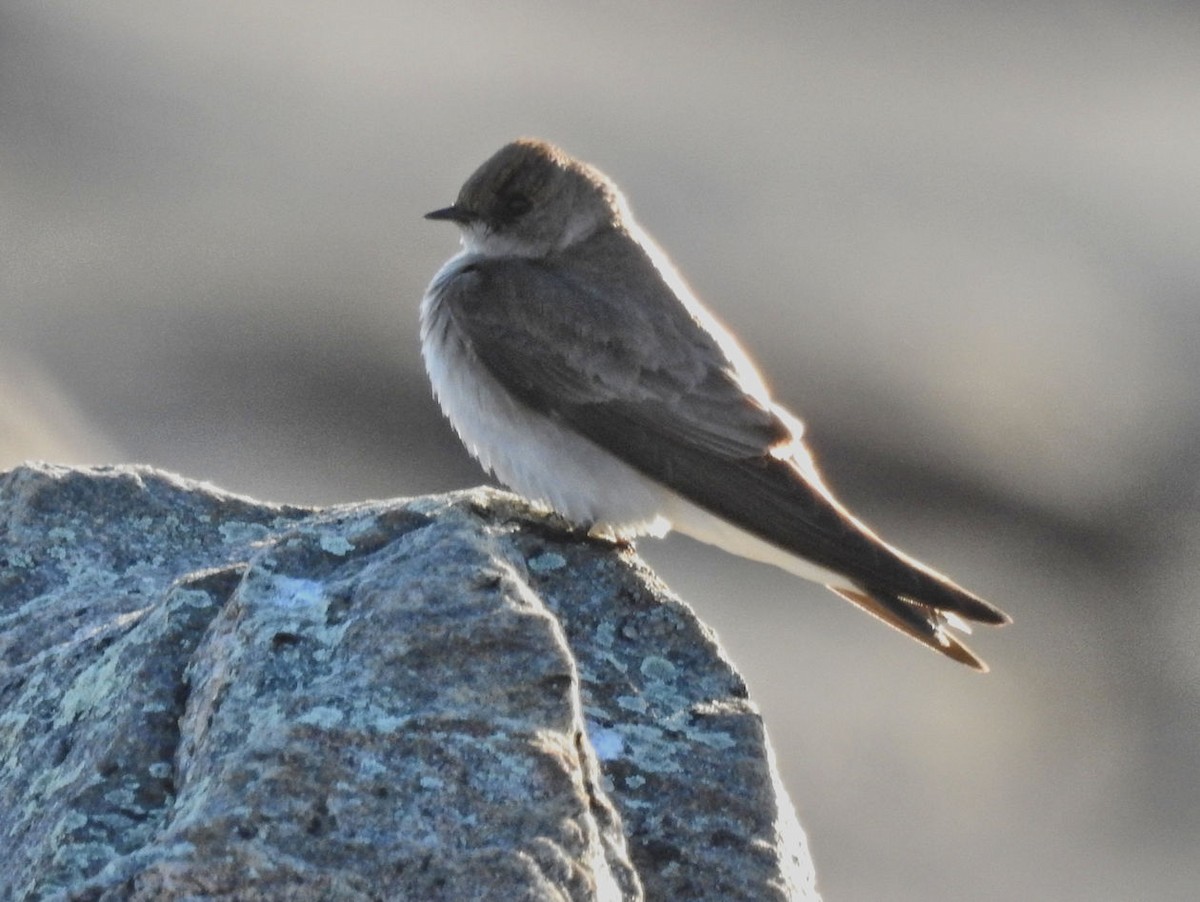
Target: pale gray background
[963,239]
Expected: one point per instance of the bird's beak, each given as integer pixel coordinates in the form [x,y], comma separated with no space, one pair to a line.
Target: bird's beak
[455,214]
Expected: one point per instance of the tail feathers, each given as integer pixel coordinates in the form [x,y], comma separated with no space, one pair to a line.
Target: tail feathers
[925,623]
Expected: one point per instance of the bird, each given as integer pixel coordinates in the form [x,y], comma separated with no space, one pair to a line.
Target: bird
[579,368]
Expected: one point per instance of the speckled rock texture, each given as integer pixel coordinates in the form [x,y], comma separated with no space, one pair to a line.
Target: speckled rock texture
[449,697]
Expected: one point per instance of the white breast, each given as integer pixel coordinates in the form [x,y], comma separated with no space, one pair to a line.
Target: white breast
[528,452]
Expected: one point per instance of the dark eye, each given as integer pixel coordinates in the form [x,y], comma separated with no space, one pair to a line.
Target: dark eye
[516,205]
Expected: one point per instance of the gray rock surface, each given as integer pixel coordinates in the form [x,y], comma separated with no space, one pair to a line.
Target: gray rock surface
[449,697]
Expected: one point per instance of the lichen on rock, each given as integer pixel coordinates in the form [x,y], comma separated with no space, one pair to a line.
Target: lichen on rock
[448,697]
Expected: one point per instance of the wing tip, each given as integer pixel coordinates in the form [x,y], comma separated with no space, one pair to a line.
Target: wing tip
[984,612]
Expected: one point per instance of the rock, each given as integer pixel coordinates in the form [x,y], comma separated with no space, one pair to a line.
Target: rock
[449,697]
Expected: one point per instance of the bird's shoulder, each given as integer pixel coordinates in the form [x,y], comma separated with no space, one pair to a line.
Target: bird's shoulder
[600,307]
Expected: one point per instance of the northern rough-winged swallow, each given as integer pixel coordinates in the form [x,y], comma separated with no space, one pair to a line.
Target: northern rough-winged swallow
[577,366]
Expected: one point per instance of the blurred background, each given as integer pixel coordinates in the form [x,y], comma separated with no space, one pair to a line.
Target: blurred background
[962,239]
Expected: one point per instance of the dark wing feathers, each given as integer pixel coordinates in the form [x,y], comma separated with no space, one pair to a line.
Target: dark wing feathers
[772,499]
[562,346]
[569,350]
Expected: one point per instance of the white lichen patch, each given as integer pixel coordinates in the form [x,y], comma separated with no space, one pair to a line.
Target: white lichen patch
[19,559]
[714,740]
[634,703]
[374,718]
[650,749]
[124,795]
[335,544]
[547,562]
[608,743]
[289,592]
[370,767]
[605,634]
[654,667]
[235,532]
[55,780]
[323,716]
[93,688]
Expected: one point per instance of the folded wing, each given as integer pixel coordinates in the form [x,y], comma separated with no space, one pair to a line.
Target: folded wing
[651,385]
